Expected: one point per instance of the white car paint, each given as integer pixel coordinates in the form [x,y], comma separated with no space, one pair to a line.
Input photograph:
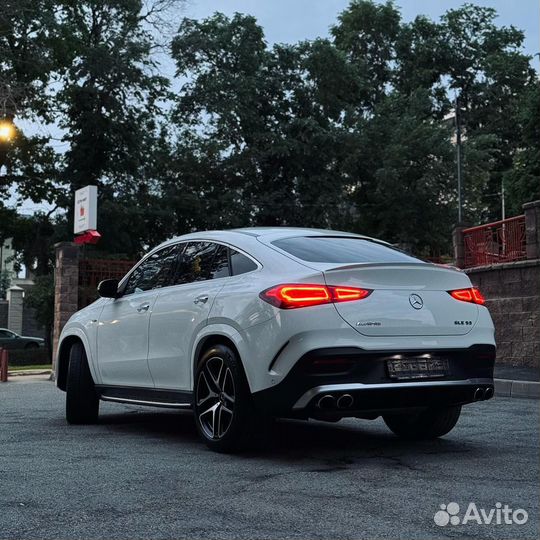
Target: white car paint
[156,347]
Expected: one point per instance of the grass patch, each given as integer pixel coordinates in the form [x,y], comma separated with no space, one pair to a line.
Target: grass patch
[22,368]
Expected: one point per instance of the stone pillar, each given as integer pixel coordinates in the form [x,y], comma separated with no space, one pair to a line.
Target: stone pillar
[15,309]
[66,287]
[459,245]
[532,229]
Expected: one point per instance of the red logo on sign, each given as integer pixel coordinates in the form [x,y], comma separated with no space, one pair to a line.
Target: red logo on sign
[81,211]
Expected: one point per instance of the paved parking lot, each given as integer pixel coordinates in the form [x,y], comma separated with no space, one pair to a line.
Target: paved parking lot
[141,473]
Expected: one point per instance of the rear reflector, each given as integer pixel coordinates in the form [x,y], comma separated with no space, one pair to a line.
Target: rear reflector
[297,295]
[324,366]
[472,295]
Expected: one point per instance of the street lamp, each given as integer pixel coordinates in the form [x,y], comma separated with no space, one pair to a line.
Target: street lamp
[7,131]
[458,159]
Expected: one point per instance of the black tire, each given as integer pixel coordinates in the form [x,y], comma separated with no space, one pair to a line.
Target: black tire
[31,345]
[82,402]
[428,424]
[218,378]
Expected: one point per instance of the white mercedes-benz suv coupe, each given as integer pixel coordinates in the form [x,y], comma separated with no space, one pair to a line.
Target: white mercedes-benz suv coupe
[255,323]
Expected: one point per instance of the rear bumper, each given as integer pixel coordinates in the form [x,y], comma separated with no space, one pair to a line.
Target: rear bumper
[365,379]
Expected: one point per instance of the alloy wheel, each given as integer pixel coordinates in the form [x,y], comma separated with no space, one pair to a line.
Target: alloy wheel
[215,398]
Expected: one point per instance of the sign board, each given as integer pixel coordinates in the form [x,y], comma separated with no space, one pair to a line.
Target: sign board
[85,217]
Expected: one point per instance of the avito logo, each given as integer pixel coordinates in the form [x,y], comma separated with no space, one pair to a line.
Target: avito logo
[500,515]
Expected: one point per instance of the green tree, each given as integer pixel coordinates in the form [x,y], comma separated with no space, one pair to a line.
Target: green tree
[404,175]
[489,74]
[28,59]
[109,92]
[367,32]
[268,118]
[349,132]
[522,182]
[110,114]
[41,298]
[5,282]
[27,56]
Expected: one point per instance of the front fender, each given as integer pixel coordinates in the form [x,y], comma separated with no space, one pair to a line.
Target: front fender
[77,331]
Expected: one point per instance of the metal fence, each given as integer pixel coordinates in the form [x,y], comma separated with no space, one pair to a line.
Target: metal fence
[92,271]
[498,242]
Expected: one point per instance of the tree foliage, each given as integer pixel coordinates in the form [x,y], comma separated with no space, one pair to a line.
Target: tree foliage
[353,131]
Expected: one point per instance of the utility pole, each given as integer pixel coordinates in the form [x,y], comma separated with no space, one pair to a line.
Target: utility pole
[458,156]
[503,201]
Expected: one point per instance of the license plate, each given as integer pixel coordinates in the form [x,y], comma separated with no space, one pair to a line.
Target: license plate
[417,368]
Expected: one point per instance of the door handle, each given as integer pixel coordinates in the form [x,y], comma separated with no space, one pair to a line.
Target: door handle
[201,299]
[143,307]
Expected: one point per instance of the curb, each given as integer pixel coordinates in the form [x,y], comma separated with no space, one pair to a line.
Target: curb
[22,373]
[517,389]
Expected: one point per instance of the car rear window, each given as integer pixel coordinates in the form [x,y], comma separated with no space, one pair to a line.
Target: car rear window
[332,249]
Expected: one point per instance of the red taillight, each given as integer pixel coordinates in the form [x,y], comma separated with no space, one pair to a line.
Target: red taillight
[345,294]
[472,295]
[296,295]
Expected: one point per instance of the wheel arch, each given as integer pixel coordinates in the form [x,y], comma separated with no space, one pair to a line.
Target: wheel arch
[62,357]
[214,338]
[62,360]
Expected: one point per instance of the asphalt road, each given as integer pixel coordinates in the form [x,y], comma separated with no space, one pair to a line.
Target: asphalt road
[142,473]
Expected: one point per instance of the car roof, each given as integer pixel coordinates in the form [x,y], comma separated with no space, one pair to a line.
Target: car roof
[265,234]
[293,231]
[281,232]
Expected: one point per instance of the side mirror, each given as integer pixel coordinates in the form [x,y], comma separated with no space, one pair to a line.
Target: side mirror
[108,288]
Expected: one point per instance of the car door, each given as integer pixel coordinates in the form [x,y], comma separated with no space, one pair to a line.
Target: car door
[8,340]
[122,336]
[182,310]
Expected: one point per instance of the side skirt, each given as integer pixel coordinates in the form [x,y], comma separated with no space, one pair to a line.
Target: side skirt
[151,397]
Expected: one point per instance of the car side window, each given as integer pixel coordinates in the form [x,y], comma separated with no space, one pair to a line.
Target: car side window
[240,264]
[196,262]
[154,272]
[5,334]
[220,264]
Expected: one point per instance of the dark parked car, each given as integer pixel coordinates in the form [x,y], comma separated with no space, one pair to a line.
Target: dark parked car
[11,340]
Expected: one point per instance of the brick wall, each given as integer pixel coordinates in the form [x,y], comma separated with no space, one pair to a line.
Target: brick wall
[512,291]
[66,287]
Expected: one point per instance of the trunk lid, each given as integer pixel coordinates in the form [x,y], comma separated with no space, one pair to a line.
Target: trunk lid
[407,299]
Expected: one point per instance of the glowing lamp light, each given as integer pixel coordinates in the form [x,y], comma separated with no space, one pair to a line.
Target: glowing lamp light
[7,131]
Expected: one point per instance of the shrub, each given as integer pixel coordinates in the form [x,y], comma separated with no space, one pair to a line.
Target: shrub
[29,357]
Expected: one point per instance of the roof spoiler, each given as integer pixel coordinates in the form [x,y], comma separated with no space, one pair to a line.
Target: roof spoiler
[395,264]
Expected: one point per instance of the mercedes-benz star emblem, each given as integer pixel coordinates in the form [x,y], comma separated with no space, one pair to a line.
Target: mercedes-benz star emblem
[416,301]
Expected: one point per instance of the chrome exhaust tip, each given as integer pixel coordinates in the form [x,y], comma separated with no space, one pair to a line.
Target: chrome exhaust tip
[478,394]
[326,402]
[489,393]
[345,401]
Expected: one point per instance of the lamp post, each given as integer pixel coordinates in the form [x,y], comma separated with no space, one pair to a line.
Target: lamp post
[458,159]
[7,134]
